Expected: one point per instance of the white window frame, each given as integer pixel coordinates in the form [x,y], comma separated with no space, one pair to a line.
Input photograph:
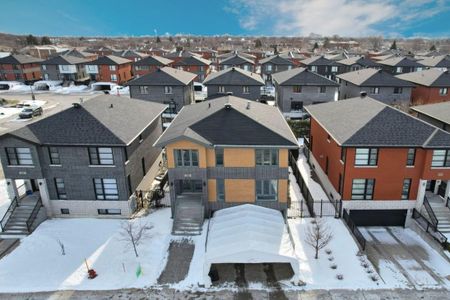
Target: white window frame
[143,89]
[168,90]
[443,91]
[112,67]
[113,77]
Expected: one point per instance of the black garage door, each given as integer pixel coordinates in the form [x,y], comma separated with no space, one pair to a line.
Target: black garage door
[378,217]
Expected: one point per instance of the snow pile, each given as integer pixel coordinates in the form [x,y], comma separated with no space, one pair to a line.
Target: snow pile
[319,273]
[314,187]
[4,198]
[41,267]
[72,89]
[47,85]
[248,234]
[6,112]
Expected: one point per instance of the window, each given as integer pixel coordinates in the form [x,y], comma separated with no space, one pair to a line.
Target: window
[221,89]
[296,89]
[399,70]
[219,157]
[53,153]
[143,90]
[362,189]
[398,90]
[44,67]
[100,156]
[375,90]
[441,158]
[172,109]
[106,189]
[443,91]
[113,77]
[289,67]
[65,211]
[168,90]
[64,67]
[366,156]
[406,188]
[245,89]
[19,156]
[186,158]
[201,68]
[411,157]
[334,69]
[112,68]
[141,138]
[314,68]
[269,67]
[220,189]
[60,188]
[343,154]
[109,211]
[266,157]
[322,89]
[266,189]
[297,105]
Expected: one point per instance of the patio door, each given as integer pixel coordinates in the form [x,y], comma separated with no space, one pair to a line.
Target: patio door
[190,186]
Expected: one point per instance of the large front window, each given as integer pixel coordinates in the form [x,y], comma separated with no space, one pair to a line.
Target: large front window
[266,189]
[106,189]
[441,158]
[186,158]
[100,156]
[168,90]
[366,156]
[19,156]
[362,189]
[266,157]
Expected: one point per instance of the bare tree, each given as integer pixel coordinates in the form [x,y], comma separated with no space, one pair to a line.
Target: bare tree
[62,247]
[134,233]
[318,236]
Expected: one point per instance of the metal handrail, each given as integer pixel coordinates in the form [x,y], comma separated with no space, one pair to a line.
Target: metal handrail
[427,226]
[430,211]
[33,214]
[12,206]
[447,203]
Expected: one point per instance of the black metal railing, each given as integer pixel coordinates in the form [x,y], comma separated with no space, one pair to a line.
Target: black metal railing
[34,214]
[430,211]
[428,227]
[302,184]
[320,208]
[12,206]
[447,202]
[354,230]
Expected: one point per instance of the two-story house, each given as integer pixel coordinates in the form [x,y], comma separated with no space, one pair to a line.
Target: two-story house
[226,152]
[79,53]
[379,160]
[83,161]
[298,87]
[194,64]
[399,65]
[274,64]
[323,66]
[150,64]
[357,63]
[378,84]
[18,67]
[109,69]
[234,81]
[432,86]
[237,61]
[65,68]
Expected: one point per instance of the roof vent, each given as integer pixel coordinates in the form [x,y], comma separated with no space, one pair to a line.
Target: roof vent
[227,105]
[363,94]
[111,106]
[229,93]
[209,105]
[232,68]
[248,105]
[76,105]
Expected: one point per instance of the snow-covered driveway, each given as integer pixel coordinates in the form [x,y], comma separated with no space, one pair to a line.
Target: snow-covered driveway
[400,255]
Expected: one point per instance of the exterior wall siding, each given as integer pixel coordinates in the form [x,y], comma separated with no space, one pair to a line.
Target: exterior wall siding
[386,94]
[309,95]
[236,90]
[181,95]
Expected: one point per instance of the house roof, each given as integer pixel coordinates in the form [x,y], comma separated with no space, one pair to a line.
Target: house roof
[130,53]
[276,60]
[153,60]
[236,60]
[76,53]
[302,76]
[431,78]
[182,53]
[360,60]
[16,59]
[319,61]
[400,62]
[439,111]
[98,121]
[365,122]
[211,123]
[109,60]
[64,60]
[165,76]
[441,61]
[193,60]
[233,76]
[373,77]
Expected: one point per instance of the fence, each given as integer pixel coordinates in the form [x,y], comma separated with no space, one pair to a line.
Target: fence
[355,231]
[428,227]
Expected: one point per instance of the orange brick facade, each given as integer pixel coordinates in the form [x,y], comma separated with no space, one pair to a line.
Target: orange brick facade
[122,73]
[24,72]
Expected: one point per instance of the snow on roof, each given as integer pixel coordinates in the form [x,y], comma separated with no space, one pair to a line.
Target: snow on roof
[248,234]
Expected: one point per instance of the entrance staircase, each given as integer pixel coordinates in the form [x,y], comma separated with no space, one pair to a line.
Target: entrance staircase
[437,211]
[188,215]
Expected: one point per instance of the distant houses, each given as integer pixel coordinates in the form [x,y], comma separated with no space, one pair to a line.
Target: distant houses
[109,69]
[65,68]
[19,67]
[150,64]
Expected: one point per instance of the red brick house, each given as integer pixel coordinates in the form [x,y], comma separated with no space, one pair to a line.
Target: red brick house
[18,67]
[432,86]
[380,161]
[110,69]
[150,64]
[194,64]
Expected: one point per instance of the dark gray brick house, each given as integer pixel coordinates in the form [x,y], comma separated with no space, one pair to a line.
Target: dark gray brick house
[65,68]
[274,64]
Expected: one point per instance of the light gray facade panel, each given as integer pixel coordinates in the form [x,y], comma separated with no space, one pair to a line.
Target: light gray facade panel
[181,95]
[385,95]
[257,173]
[20,172]
[236,90]
[310,94]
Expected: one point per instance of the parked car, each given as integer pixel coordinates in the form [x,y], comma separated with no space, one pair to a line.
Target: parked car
[30,112]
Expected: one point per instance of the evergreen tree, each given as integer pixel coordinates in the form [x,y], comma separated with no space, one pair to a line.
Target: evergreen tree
[433,48]
[326,43]
[316,46]
[32,40]
[394,45]
[258,43]
[158,40]
[45,41]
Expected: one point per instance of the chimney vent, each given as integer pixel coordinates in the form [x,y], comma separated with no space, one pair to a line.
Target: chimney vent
[248,105]
[76,105]
[209,105]
[227,105]
[363,94]
[111,106]
[229,93]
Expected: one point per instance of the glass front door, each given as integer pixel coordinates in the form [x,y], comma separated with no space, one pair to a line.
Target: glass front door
[190,186]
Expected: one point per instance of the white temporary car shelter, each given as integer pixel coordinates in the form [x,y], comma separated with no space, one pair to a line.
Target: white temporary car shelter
[248,234]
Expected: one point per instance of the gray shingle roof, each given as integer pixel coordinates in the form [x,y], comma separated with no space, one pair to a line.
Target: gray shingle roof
[153,60]
[360,60]
[109,60]
[165,76]
[373,77]
[16,59]
[276,60]
[302,76]
[438,111]
[64,60]
[319,61]
[236,60]
[400,62]
[211,123]
[365,122]
[193,61]
[442,61]
[233,76]
[430,78]
[94,123]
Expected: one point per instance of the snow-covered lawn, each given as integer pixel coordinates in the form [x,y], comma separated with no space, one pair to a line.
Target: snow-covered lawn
[318,273]
[37,264]
[314,187]
[4,198]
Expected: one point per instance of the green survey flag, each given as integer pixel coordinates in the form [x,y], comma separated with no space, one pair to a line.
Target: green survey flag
[138,271]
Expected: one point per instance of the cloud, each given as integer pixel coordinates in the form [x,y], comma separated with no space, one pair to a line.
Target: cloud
[328,17]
